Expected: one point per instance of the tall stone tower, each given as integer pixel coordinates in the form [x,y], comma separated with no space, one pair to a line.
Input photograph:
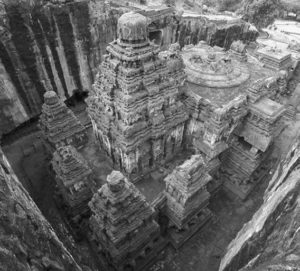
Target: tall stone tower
[59,124]
[122,224]
[186,190]
[74,179]
[187,199]
[135,109]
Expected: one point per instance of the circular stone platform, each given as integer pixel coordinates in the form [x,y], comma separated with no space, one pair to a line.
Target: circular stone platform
[209,67]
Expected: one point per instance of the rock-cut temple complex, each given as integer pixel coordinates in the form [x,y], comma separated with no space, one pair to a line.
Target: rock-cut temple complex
[174,126]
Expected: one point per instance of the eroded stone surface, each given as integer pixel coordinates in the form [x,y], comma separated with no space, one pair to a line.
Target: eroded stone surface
[27,240]
[269,240]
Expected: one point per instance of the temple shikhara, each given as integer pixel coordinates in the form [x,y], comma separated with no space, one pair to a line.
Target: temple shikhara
[187,197]
[123,223]
[59,124]
[135,107]
[169,128]
[74,179]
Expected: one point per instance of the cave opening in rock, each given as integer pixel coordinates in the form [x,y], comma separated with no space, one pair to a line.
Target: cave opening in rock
[77,97]
[156,37]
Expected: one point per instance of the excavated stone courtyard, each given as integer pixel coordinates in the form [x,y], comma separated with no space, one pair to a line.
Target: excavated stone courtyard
[149,136]
[203,251]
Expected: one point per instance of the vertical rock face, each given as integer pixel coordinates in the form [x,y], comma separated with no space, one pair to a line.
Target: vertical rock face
[51,46]
[221,33]
[12,112]
[27,241]
[270,240]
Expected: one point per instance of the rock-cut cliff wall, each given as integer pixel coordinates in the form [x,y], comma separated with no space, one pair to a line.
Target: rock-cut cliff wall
[27,241]
[270,240]
[48,46]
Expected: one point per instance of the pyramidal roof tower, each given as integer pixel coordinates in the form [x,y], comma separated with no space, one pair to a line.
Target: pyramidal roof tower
[122,222]
[59,124]
[135,109]
[74,179]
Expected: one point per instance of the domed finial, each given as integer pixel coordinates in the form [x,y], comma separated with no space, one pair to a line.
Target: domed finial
[115,181]
[50,97]
[132,27]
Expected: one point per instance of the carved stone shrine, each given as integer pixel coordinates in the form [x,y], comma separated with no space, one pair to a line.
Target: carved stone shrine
[59,124]
[74,180]
[187,198]
[123,225]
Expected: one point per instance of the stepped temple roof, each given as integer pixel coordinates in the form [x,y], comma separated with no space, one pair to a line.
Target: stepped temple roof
[268,108]
[122,219]
[136,109]
[59,124]
[72,168]
[186,190]
[275,58]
